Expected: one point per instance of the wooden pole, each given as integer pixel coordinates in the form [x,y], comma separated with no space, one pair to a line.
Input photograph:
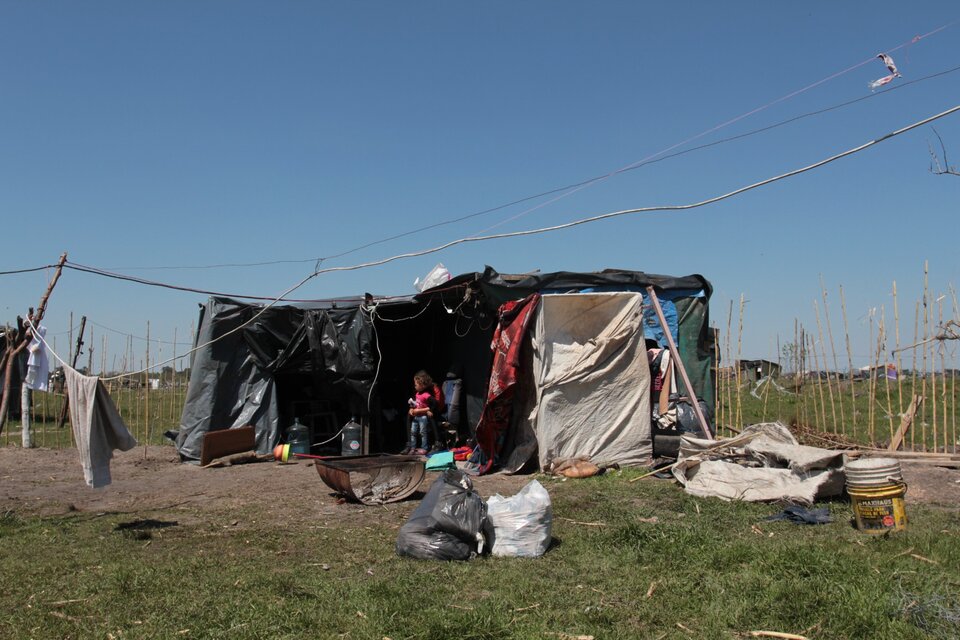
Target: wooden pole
[926,335]
[146,397]
[23,339]
[682,369]
[833,351]
[943,379]
[913,367]
[826,366]
[739,419]
[732,367]
[898,364]
[719,379]
[76,355]
[853,392]
[886,376]
[779,395]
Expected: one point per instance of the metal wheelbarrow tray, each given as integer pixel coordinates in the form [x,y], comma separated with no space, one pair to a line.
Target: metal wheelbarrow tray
[373,479]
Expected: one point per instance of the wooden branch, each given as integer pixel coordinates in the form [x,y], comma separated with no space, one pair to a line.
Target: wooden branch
[905,423]
[23,339]
[62,420]
[676,358]
[946,170]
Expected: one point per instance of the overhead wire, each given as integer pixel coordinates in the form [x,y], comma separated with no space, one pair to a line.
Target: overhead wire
[655,157]
[604,216]
[28,270]
[615,214]
[651,160]
[541,230]
[513,234]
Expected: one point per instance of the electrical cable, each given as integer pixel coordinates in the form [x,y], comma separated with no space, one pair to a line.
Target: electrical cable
[567,225]
[656,157]
[615,214]
[46,266]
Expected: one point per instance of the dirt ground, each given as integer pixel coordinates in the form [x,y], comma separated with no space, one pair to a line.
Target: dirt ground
[49,482]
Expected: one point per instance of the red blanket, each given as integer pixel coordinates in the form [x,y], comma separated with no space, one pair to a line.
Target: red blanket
[495,421]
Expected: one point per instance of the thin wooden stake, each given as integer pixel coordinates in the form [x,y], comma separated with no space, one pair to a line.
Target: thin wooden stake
[739,418]
[833,351]
[146,396]
[943,376]
[886,372]
[898,363]
[826,366]
[850,379]
[819,406]
[76,355]
[732,367]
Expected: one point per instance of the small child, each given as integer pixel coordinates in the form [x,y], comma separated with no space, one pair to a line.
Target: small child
[420,413]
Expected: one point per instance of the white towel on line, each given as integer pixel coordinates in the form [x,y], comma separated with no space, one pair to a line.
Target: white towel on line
[97,426]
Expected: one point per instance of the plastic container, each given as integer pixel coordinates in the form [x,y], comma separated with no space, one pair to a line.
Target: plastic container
[873,472]
[298,437]
[876,490]
[351,444]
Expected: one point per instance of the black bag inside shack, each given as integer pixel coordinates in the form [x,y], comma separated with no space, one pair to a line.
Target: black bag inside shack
[448,523]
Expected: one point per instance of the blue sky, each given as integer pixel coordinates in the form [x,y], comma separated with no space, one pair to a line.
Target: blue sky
[145,138]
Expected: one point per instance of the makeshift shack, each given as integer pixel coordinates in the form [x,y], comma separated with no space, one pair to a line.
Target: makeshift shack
[325,362]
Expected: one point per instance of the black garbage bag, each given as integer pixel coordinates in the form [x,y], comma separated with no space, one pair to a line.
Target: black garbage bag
[448,524]
[687,417]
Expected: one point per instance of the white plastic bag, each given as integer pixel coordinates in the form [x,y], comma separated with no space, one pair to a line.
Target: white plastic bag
[522,523]
[437,276]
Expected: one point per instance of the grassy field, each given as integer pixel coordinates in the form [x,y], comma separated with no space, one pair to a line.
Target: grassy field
[629,560]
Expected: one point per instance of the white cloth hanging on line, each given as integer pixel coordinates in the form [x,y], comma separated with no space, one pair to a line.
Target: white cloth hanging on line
[38,366]
[97,426]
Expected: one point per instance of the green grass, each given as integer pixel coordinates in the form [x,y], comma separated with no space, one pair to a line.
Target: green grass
[718,569]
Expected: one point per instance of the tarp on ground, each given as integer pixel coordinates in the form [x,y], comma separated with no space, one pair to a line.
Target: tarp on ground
[763,463]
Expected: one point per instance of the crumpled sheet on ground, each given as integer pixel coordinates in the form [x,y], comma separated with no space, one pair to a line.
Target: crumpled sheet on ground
[764,463]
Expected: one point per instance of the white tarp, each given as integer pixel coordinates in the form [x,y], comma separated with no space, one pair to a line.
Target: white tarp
[763,463]
[591,378]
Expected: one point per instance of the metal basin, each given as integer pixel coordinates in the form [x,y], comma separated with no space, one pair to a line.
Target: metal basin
[373,479]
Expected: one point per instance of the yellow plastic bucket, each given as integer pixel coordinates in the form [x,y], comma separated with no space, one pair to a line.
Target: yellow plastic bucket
[879,509]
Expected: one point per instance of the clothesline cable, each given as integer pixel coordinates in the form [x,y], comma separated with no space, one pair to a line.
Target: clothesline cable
[567,225]
[198,347]
[656,157]
[164,285]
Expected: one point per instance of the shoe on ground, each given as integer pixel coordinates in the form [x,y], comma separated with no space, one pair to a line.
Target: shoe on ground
[407,451]
[419,452]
